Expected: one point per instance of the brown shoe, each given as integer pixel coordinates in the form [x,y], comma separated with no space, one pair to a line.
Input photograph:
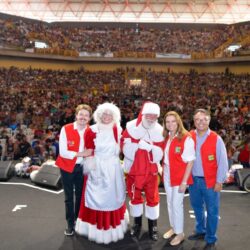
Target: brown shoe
[177,239]
[168,234]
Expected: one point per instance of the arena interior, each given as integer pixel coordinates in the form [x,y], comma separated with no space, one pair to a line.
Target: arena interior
[56,54]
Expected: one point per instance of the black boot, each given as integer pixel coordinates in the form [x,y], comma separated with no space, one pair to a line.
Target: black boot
[152,229]
[136,228]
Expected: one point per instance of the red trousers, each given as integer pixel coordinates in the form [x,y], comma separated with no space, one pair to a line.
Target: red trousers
[148,184]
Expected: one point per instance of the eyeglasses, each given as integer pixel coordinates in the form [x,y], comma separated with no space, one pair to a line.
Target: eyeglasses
[201,120]
[107,114]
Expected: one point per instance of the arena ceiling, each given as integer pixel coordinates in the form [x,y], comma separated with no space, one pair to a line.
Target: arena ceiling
[161,11]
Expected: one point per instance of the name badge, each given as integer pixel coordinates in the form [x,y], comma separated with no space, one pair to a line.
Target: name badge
[211,157]
[177,150]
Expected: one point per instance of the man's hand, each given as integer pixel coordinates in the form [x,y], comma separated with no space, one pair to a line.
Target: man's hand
[160,169]
[145,145]
[218,187]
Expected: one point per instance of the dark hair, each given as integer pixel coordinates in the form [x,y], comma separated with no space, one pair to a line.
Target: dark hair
[203,111]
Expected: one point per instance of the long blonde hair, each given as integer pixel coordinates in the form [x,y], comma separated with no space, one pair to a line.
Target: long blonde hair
[181,131]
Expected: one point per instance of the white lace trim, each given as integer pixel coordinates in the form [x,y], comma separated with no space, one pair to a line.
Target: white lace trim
[102,236]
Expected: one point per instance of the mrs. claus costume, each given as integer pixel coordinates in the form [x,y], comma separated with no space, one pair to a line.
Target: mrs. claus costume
[103,217]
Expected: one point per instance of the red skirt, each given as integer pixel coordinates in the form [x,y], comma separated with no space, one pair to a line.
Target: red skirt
[96,225]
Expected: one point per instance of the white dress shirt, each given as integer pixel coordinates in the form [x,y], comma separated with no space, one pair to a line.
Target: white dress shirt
[63,149]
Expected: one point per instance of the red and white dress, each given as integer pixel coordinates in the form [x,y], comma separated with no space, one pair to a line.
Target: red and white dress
[103,217]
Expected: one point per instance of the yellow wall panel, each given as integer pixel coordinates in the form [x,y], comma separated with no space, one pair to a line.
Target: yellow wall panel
[234,67]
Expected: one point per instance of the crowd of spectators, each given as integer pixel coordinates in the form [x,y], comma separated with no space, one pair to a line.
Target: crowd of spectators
[35,103]
[140,38]
[243,50]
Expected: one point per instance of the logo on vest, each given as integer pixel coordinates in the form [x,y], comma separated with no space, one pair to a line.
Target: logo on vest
[177,150]
[211,157]
[71,143]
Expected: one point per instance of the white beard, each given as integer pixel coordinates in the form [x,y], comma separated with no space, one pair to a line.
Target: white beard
[147,124]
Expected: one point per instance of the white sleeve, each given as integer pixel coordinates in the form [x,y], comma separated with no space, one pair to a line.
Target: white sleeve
[129,150]
[63,149]
[157,153]
[189,150]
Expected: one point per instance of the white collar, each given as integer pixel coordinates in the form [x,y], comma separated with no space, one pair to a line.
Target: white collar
[139,132]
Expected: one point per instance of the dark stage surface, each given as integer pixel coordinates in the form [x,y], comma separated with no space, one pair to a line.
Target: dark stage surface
[38,222]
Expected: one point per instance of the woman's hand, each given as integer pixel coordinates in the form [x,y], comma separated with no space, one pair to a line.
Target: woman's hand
[85,153]
[182,188]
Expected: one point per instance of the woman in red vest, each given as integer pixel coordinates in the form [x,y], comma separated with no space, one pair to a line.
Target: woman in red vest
[179,154]
[71,153]
[103,217]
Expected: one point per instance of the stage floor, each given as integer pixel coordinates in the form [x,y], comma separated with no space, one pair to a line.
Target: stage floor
[32,218]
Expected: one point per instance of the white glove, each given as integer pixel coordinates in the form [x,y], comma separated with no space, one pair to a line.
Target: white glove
[145,146]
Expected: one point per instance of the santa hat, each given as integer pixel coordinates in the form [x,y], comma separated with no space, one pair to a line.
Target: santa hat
[151,108]
[148,108]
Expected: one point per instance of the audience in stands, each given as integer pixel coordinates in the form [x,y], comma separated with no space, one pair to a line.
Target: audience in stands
[35,103]
[24,90]
[21,33]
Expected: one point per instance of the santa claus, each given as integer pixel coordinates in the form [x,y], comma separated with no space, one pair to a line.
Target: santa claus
[141,144]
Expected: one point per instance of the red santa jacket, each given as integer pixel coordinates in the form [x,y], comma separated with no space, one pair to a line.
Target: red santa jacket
[142,164]
[208,157]
[176,164]
[73,143]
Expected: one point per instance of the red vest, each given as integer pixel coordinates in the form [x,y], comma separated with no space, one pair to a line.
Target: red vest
[208,157]
[176,164]
[73,143]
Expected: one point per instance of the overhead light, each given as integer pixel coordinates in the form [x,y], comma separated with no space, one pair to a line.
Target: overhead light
[233,47]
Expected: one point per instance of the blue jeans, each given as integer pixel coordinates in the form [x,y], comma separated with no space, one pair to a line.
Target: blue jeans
[72,185]
[203,198]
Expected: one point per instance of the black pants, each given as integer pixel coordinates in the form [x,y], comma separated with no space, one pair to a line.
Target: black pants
[72,185]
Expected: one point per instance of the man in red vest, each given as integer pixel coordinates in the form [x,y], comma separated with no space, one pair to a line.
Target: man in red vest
[244,156]
[142,141]
[209,173]
[71,153]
